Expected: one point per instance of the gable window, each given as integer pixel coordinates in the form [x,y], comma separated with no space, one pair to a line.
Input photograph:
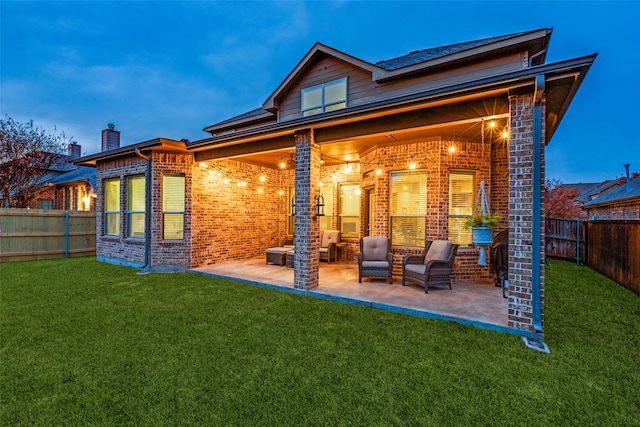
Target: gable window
[350,210]
[136,203]
[112,207]
[461,185]
[408,208]
[324,98]
[173,194]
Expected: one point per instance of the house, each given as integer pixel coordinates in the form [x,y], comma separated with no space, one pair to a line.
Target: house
[396,148]
[66,186]
[622,203]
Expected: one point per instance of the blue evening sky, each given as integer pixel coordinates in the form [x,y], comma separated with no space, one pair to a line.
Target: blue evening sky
[172,68]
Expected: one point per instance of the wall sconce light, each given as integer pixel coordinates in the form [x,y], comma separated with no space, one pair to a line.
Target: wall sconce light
[262,178]
[293,206]
[412,165]
[319,205]
[452,149]
[321,160]
[378,170]
[348,167]
[505,133]
[280,192]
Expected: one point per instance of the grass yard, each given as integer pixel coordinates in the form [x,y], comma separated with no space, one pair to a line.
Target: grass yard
[86,343]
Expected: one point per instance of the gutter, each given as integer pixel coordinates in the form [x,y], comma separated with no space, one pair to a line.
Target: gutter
[147,217]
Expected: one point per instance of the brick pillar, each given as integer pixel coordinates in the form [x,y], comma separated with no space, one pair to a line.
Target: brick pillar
[520,213]
[307,229]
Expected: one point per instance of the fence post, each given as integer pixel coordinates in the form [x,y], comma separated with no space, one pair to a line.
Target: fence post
[66,234]
[578,236]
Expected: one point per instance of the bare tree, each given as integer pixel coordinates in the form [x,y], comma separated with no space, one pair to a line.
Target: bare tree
[26,154]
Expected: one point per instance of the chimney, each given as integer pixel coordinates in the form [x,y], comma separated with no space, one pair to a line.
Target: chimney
[110,138]
[75,150]
[628,178]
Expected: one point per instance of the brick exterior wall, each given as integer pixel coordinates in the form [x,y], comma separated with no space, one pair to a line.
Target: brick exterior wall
[520,214]
[231,221]
[120,249]
[629,210]
[175,253]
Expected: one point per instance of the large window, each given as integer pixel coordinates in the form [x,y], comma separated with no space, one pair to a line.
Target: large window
[324,98]
[461,186]
[350,210]
[112,207]
[173,206]
[326,221]
[136,203]
[408,208]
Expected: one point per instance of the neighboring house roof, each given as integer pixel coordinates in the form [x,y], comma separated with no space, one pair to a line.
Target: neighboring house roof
[589,192]
[624,193]
[81,173]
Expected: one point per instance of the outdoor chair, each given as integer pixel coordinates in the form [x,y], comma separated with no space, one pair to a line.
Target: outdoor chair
[431,268]
[328,244]
[375,258]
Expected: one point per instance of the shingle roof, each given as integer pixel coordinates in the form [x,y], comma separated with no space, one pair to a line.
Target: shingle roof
[246,115]
[625,191]
[437,52]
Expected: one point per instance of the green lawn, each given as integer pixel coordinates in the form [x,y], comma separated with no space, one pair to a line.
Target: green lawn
[94,344]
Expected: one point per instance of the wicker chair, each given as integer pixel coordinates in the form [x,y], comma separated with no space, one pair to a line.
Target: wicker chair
[328,244]
[375,258]
[432,267]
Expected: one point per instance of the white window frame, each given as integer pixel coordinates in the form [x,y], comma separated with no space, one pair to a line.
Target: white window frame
[403,220]
[349,215]
[323,107]
[456,233]
[111,213]
[166,212]
[133,234]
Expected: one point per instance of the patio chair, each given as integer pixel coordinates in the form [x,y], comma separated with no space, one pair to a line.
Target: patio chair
[328,241]
[432,267]
[375,258]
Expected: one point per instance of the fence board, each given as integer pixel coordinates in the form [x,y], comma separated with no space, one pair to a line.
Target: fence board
[614,251]
[30,234]
[565,238]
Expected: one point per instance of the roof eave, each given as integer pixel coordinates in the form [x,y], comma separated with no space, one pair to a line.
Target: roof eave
[240,123]
[128,151]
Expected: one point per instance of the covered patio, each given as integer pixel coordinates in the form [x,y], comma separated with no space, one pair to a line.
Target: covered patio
[477,303]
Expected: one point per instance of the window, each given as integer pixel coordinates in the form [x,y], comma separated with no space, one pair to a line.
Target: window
[136,203]
[326,221]
[292,213]
[408,208]
[112,207]
[350,210]
[173,206]
[324,98]
[461,185]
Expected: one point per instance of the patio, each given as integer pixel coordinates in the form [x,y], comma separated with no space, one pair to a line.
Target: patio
[478,303]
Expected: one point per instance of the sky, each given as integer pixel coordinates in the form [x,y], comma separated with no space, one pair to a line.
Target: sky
[169,69]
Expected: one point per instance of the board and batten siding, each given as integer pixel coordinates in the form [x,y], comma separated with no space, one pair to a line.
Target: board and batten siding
[362,90]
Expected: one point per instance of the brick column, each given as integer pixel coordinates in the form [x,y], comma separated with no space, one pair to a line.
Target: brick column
[520,213]
[307,229]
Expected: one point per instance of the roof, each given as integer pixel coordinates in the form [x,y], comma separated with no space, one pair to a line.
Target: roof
[626,192]
[589,192]
[81,173]
[438,52]
[394,68]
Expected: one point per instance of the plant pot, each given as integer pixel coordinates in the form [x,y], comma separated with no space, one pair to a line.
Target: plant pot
[481,236]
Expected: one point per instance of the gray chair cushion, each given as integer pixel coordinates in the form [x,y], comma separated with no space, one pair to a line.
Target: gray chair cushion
[375,248]
[438,250]
[329,236]
[416,268]
[375,264]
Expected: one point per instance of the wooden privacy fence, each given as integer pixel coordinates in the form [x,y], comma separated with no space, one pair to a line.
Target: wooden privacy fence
[30,234]
[566,238]
[614,251]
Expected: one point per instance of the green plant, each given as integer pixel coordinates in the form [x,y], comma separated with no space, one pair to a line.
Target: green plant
[480,220]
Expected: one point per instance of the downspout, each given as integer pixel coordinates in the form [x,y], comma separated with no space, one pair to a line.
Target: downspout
[537,343]
[147,217]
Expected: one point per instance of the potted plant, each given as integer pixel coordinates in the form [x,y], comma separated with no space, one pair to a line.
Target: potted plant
[481,225]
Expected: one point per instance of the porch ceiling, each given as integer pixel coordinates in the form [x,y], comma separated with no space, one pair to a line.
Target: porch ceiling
[346,142]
